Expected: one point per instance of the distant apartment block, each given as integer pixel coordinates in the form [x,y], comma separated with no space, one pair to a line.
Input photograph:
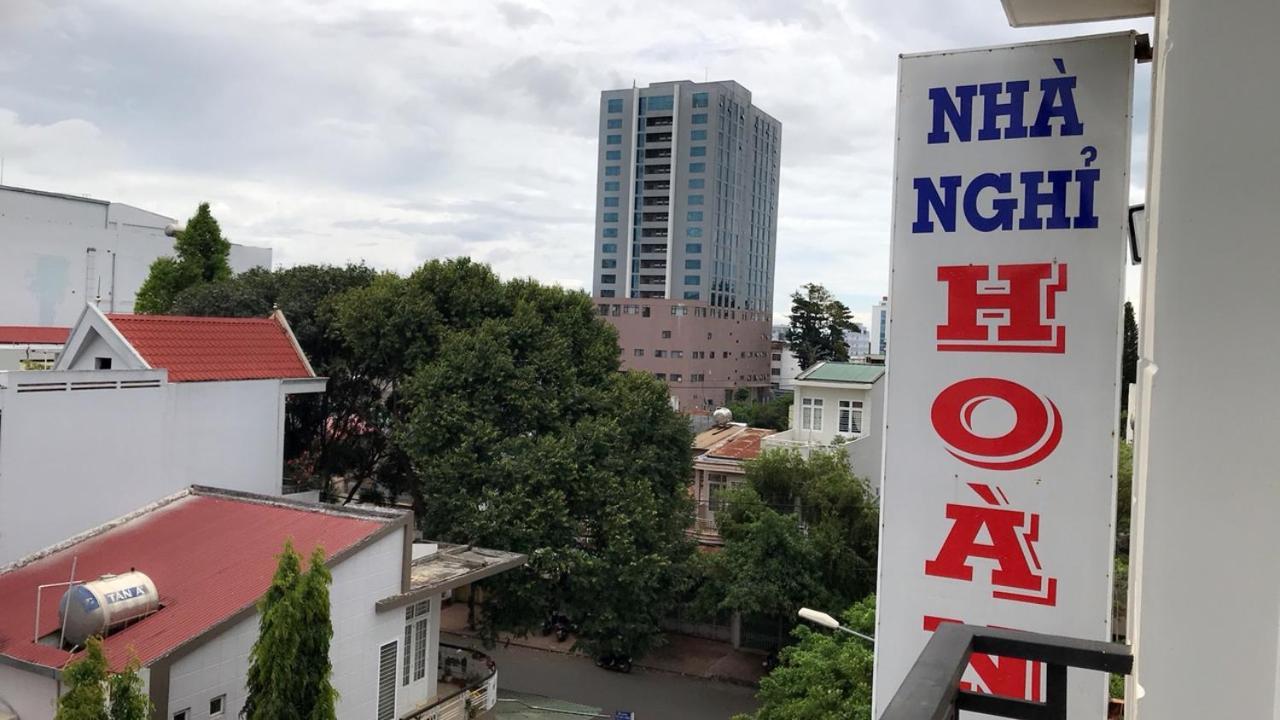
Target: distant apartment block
[686,233]
[880,327]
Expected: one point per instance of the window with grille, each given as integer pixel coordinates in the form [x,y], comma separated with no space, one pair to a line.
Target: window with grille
[851,416]
[387,681]
[811,414]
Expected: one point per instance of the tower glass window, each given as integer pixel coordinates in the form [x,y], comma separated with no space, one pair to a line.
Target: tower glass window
[615,123]
[613,139]
[699,119]
[615,105]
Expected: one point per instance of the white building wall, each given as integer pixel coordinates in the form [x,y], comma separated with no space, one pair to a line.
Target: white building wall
[227,434]
[220,666]
[880,328]
[61,253]
[1205,607]
[28,695]
[72,460]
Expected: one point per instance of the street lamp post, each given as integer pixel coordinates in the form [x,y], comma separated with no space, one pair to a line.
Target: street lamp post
[817,617]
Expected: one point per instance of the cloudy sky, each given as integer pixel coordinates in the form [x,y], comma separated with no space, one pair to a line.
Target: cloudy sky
[394,131]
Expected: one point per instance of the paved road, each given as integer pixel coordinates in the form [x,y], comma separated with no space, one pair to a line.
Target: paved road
[651,694]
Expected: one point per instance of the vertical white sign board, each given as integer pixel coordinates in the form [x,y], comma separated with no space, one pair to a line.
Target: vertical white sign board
[1010,198]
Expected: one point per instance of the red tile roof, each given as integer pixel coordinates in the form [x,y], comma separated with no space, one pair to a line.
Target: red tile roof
[210,556]
[33,334]
[743,446]
[204,348]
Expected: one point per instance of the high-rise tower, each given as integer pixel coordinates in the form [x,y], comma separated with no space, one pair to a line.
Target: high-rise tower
[686,234]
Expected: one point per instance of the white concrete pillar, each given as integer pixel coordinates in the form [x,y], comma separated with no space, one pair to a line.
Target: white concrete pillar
[1205,603]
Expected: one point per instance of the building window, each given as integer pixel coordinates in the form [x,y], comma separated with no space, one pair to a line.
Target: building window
[217,705]
[639,352]
[608,264]
[612,186]
[697,183]
[612,154]
[606,293]
[694,216]
[102,363]
[693,248]
[811,414]
[609,279]
[692,295]
[677,354]
[615,123]
[695,199]
[851,417]
[658,103]
[611,202]
[611,217]
[692,280]
[182,714]
[386,682]
[699,118]
[666,334]
[698,151]
[659,353]
[609,247]
[697,134]
[697,167]
[615,105]
[700,99]
[692,264]
[613,170]
[613,140]
[693,231]
[660,376]
[610,232]
[677,377]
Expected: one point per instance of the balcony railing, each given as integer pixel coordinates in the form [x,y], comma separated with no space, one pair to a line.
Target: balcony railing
[467,686]
[932,690]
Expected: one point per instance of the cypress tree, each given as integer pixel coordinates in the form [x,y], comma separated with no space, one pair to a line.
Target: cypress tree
[128,700]
[313,665]
[273,691]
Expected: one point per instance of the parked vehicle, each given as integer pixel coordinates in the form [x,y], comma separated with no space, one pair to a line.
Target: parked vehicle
[616,663]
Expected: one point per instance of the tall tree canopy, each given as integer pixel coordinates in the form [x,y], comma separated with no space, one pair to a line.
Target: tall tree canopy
[1128,358]
[289,667]
[818,324]
[798,532]
[200,256]
[521,433]
[824,674]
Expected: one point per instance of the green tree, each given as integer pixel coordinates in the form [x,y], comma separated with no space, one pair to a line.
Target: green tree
[818,324]
[314,668]
[521,433]
[823,674]
[272,682]
[86,682]
[773,414]
[200,256]
[129,700]
[1128,359]
[96,693]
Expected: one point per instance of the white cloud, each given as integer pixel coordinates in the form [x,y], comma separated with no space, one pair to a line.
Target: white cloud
[396,131]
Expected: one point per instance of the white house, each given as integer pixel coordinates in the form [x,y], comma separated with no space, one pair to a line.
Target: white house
[137,408]
[62,251]
[838,404]
[784,367]
[211,555]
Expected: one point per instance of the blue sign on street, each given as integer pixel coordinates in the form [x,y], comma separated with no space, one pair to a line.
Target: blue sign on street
[623,715]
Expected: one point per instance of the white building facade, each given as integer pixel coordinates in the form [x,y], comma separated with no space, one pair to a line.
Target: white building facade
[879,335]
[63,251]
[838,405]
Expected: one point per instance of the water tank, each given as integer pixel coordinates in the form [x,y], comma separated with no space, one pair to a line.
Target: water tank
[102,605]
[722,417]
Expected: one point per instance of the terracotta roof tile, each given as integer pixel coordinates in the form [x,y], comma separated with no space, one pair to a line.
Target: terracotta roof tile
[743,446]
[33,334]
[210,557]
[205,348]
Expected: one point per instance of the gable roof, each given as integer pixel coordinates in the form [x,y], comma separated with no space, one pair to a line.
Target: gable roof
[33,335]
[846,372]
[213,348]
[211,554]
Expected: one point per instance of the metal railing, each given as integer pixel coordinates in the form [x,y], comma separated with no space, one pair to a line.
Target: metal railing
[931,690]
[476,677]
